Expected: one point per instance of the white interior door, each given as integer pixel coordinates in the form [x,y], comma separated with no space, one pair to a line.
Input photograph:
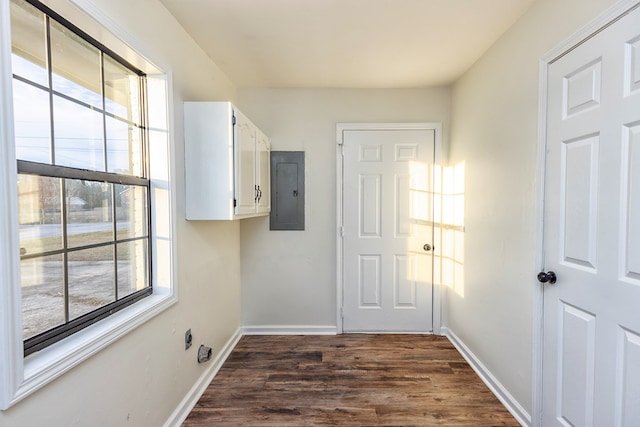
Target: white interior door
[388,230]
[591,353]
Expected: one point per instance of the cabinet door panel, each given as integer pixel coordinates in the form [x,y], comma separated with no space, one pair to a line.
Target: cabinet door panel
[245,158]
[263,164]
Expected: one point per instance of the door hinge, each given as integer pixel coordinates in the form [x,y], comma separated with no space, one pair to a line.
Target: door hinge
[233,120]
[341,231]
[235,203]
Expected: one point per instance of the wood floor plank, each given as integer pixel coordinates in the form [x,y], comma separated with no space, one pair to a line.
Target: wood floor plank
[347,380]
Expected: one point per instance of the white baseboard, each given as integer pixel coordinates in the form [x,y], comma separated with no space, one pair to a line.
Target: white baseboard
[186,405]
[518,412]
[289,330]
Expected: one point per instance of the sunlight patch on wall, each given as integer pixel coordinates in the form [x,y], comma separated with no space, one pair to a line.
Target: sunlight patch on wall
[449,223]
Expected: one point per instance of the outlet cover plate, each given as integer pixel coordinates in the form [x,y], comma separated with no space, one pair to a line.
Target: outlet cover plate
[188,339]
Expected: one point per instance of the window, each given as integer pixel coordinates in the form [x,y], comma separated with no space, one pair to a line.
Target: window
[81,144]
[123,182]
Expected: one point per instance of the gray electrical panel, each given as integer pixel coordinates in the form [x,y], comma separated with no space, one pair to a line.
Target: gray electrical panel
[287,190]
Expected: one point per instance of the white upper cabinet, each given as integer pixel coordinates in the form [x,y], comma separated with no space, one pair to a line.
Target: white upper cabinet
[226,163]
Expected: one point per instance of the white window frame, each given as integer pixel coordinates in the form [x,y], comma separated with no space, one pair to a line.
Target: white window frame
[19,376]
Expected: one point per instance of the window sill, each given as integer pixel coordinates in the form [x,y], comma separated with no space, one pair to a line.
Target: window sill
[48,364]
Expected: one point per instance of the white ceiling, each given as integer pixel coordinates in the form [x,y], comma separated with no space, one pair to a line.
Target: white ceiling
[345,43]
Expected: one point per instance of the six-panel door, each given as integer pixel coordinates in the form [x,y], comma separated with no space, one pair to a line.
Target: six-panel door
[591,361]
[388,220]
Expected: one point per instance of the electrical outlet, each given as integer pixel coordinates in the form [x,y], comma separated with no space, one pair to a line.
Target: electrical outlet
[188,339]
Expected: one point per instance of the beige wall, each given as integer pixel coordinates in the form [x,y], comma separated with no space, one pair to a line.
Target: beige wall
[289,277]
[141,379]
[494,132]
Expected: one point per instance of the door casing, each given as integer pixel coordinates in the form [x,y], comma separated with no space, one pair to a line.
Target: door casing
[605,19]
[340,129]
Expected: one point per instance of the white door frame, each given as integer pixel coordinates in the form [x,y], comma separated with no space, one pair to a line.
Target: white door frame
[604,20]
[340,129]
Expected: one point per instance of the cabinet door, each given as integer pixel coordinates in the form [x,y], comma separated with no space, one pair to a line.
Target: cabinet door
[263,166]
[245,160]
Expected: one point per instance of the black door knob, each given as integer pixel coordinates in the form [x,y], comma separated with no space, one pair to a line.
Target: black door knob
[427,247]
[548,277]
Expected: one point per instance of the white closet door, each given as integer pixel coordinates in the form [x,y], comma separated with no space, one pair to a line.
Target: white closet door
[591,361]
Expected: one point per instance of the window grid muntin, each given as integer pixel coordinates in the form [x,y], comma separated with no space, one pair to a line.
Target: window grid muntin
[63,173]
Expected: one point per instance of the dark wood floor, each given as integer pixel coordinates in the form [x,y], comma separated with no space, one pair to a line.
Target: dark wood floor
[347,380]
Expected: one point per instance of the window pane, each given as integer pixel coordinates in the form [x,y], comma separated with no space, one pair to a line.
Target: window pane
[28,42]
[39,214]
[131,211]
[79,135]
[42,294]
[122,91]
[133,270]
[91,280]
[32,123]
[89,213]
[76,66]
[124,147]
